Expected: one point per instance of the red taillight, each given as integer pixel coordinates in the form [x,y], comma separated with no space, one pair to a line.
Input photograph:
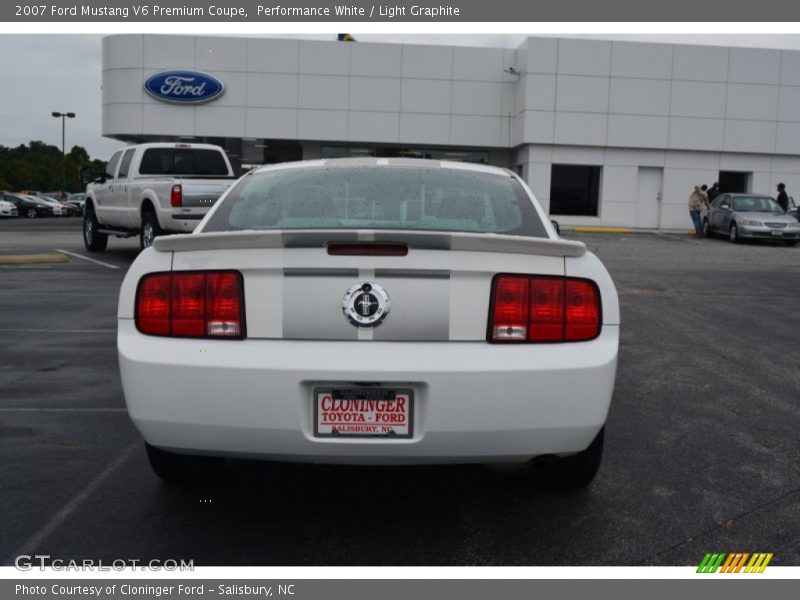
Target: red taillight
[152,304]
[510,313]
[583,310]
[176,196]
[544,309]
[191,304]
[188,315]
[224,312]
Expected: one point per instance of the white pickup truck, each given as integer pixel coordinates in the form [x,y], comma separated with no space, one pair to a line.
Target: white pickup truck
[154,189]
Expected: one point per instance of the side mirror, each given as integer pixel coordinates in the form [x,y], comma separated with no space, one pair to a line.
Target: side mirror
[725,206]
[86,175]
[556,226]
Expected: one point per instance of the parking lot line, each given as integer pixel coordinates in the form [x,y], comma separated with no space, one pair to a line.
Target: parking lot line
[99,262]
[35,541]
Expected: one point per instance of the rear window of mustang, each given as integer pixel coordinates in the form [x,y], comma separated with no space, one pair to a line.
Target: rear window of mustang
[433,199]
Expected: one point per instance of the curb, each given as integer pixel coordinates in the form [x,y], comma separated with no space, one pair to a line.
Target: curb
[32,259]
[601,229]
[623,230]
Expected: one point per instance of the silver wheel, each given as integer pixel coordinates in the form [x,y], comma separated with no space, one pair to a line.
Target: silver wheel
[31,214]
[733,234]
[93,239]
[150,230]
[147,235]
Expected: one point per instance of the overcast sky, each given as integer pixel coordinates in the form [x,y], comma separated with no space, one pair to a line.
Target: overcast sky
[44,73]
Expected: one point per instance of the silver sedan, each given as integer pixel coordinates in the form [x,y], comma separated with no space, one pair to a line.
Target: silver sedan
[750,216]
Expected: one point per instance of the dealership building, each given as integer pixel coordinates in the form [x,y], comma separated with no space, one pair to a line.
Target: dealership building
[605,133]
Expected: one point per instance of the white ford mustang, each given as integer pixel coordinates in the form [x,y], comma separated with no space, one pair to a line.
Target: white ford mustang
[378,311]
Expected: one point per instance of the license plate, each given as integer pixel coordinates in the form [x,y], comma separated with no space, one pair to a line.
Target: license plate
[776,232]
[363,412]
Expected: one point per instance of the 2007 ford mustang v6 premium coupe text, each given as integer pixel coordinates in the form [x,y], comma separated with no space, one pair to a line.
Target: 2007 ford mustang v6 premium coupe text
[373,312]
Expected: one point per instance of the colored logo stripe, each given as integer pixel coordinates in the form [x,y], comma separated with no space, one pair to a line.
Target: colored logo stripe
[734,562]
[711,563]
[760,562]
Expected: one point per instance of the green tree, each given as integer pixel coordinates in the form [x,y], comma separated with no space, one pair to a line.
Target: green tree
[79,155]
[38,166]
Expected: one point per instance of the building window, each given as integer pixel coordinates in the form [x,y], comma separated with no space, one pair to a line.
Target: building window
[574,190]
[734,182]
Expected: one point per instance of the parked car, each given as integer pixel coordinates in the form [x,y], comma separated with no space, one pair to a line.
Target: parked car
[56,208]
[60,196]
[77,200]
[152,189]
[750,216]
[71,210]
[7,209]
[54,197]
[27,207]
[371,311]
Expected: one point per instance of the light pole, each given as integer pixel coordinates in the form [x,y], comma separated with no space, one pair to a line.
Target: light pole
[64,116]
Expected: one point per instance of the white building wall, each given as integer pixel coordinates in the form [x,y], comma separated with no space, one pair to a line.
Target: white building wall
[688,110]
[331,91]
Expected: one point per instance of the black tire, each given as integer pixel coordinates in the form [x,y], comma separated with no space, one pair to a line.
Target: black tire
[150,230]
[706,228]
[791,243]
[578,471]
[92,238]
[733,234]
[182,468]
[31,213]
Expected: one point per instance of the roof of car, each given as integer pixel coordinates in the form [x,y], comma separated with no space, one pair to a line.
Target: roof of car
[748,195]
[421,163]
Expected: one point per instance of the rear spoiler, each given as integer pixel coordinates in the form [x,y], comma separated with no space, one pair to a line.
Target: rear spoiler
[320,238]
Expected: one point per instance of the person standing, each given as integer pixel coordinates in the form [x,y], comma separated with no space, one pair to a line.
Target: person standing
[783,197]
[697,199]
[713,192]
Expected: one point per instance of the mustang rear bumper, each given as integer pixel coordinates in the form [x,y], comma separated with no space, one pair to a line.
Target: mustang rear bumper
[474,402]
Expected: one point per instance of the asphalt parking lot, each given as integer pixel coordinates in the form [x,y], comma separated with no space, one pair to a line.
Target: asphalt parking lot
[702,448]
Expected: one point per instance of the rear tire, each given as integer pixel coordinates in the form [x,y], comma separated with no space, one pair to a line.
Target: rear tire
[92,238]
[578,471]
[182,468]
[150,230]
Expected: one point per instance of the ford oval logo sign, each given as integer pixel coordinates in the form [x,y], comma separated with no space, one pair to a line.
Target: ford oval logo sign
[184,87]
